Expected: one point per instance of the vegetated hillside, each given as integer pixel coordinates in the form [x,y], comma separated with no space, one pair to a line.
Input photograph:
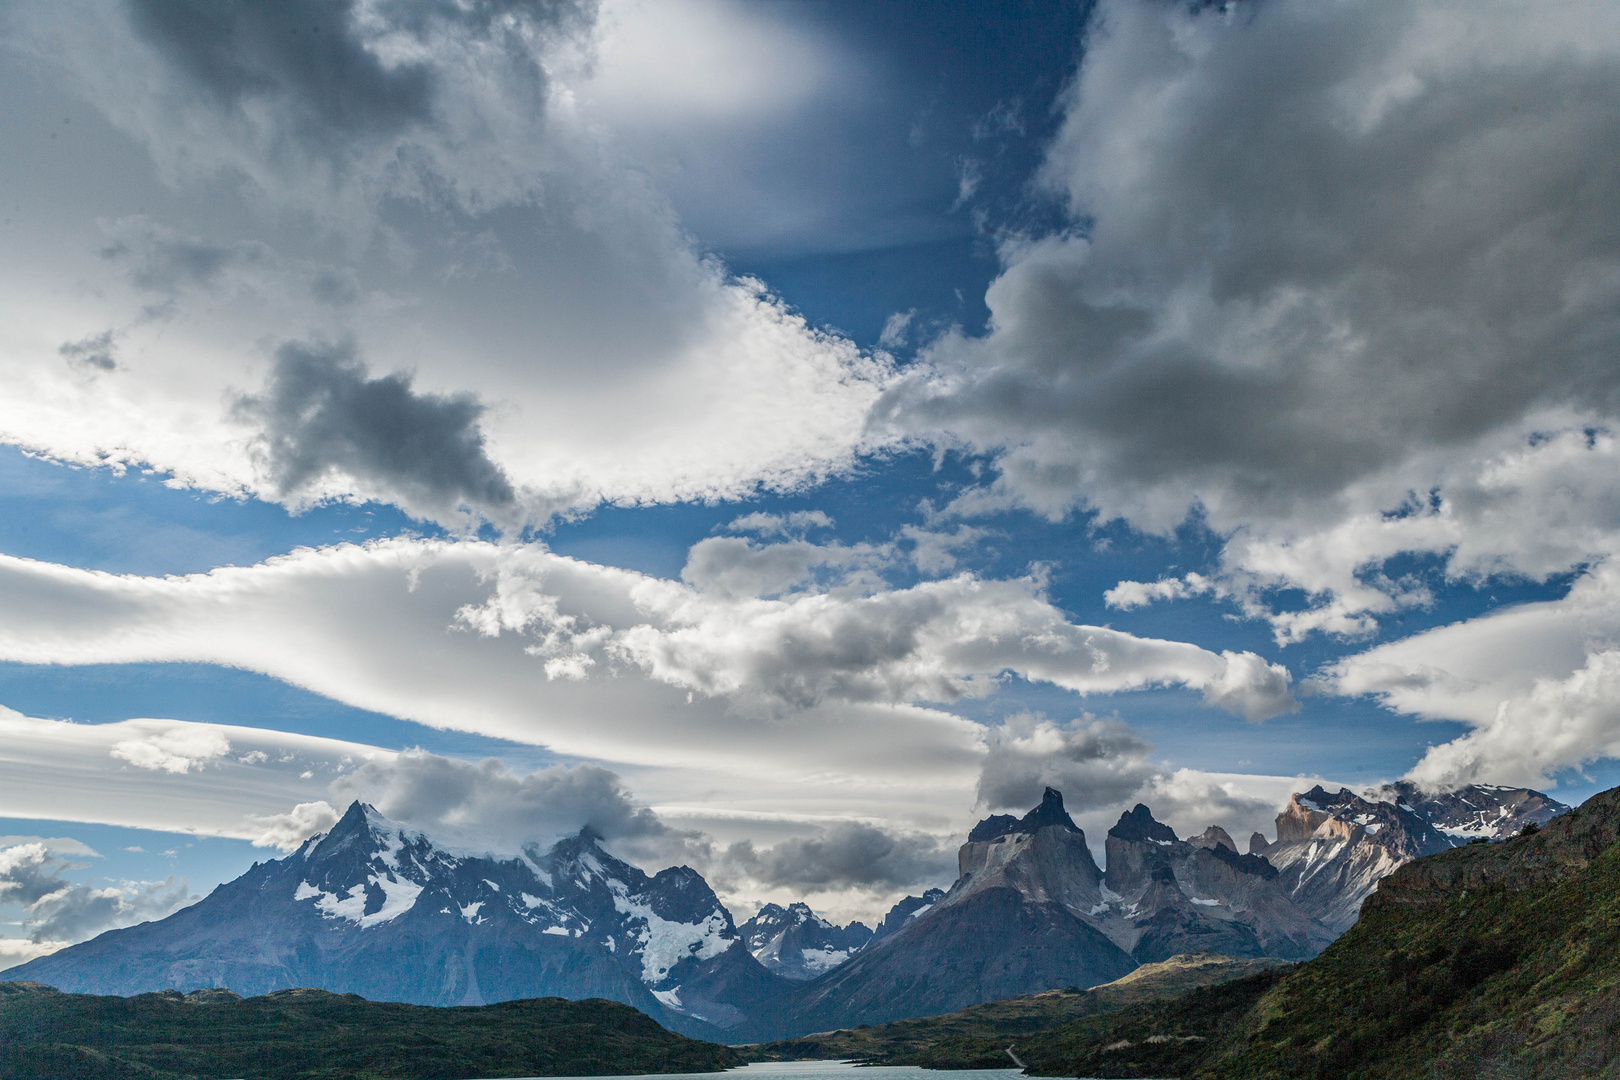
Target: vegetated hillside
[1487,960]
[1490,960]
[314,1035]
[1150,1039]
[978,1037]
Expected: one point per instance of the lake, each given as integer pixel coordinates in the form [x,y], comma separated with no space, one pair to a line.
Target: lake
[822,1070]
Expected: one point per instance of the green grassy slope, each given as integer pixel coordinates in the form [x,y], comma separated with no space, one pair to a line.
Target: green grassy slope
[1492,960]
[977,1037]
[310,1034]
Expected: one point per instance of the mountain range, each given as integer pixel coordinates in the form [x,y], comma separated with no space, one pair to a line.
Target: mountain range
[1484,960]
[377,909]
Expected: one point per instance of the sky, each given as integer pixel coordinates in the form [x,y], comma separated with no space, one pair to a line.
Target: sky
[777,434]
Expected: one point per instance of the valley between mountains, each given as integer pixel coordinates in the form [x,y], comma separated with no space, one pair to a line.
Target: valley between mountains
[377,909]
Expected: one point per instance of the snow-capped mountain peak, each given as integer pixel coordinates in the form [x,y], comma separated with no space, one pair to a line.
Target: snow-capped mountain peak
[798,944]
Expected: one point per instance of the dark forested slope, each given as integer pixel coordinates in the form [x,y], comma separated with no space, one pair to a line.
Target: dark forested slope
[314,1035]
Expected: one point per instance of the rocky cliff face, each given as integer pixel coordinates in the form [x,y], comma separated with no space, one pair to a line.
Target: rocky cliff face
[1014,922]
[796,943]
[375,909]
[1165,896]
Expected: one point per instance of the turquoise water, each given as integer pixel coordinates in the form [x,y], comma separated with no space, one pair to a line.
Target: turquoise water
[826,1070]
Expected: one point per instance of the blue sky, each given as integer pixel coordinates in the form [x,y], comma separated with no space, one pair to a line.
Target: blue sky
[789,420]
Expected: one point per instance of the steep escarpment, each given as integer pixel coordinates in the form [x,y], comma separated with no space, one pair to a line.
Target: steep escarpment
[1485,960]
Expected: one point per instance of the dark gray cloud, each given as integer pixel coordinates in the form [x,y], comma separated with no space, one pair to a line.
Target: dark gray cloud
[301,55]
[1095,763]
[493,804]
[55,908]
[1310,244]
[320,415]
[161,260]
[844,856]
[95,351]
[315,66]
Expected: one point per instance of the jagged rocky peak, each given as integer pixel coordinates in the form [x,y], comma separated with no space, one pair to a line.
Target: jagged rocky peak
[1164,895]
[798,944]
[1344,816]
[1258,843]
[1214,837]
[1042,855]
[1049,814]
[903,912]
[1138,824]
[1478,811]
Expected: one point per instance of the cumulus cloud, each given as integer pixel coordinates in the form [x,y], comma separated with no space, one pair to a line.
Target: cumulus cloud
[1535,683]
[57,911]
[1335,273]
[288,830]
[327,427]
[1093,762]
[333,93]
[848,855]
[176,750]
[486,803]
[936,641]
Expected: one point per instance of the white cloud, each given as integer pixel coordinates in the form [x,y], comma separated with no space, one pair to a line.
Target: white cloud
[1342,279]
[1536,682]
[896,328]
[174,750]
[793,524]
[807,702]
[56,845]
[464,235]
[61,771]
[934,551]
[57,911]
[1134,594]
[288,830]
